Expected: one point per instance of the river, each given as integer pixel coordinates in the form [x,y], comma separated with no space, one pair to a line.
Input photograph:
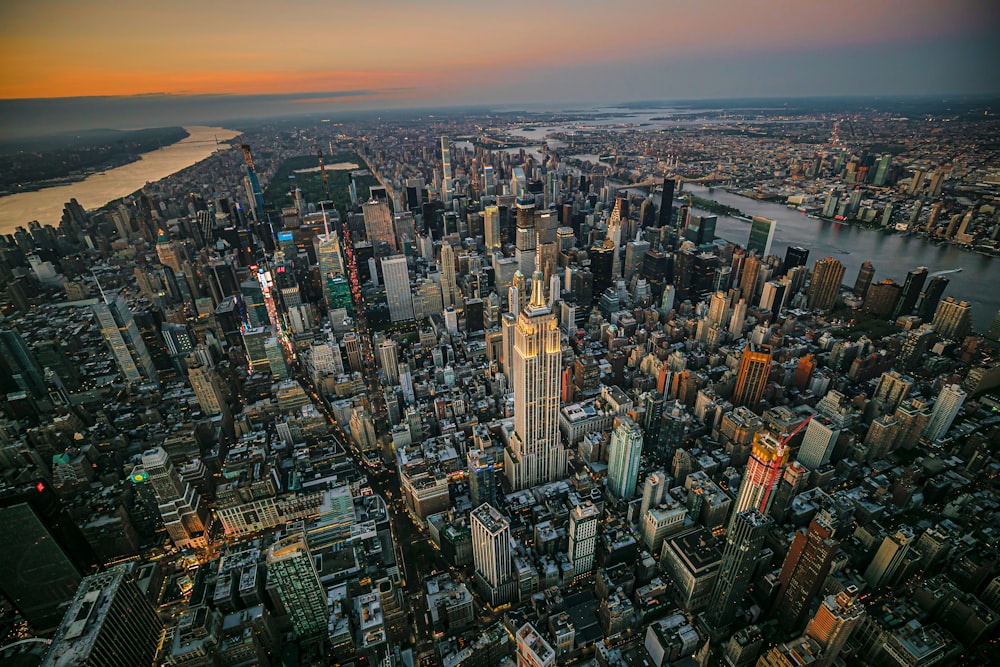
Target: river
[96,190]
[892,255]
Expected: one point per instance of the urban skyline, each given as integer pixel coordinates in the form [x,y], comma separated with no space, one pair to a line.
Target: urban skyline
[519,383]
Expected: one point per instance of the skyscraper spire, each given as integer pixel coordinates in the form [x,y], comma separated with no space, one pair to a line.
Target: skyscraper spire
[537,291]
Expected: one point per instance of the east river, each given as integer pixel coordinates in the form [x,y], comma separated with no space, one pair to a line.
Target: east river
[96,190]
[892,255]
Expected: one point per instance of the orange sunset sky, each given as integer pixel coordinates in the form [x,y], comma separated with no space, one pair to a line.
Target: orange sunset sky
[458,50]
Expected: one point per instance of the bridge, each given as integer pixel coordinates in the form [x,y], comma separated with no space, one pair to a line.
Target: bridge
[653,182]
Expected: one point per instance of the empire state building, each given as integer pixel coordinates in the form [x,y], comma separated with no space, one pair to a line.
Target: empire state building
[535,454]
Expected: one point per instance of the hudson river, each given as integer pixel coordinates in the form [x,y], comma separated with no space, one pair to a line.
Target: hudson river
[46,205]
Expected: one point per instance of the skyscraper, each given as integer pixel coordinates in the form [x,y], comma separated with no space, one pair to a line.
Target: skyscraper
[932,297]
[491,554]
[911,292]
[378,223]
[744,540]
[126,343]
[388,357]
[582,537]
[482,477]
[817,445]
[491,227]
[623,459]
[290,565]
[397,288]
[946,407]
[889,557]
[110,623]
[449,287]
[751,378]
[207,389]
[761,235]
[253,185]
[666,203]
[653,489]
[864,279]
[536,454]
[953,319]
[833,623]
[824,286]
[805,569]
[44,554]
[21,366]
[447,180]
[331,265]
[767,458]
[179,502]
[795,256]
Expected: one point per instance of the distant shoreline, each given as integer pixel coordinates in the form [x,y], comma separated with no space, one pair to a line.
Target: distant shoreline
[97,190]
[106,155]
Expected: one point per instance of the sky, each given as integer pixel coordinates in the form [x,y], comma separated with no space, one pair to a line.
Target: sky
[321,55]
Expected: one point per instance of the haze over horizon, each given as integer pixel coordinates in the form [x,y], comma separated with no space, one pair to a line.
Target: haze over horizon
[135,66]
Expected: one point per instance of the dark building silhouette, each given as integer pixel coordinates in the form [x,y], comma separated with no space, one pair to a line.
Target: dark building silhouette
[44,554]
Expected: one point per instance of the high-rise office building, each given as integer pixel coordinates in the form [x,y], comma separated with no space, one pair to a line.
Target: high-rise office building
[932,297]
[397,288]
[953,319]
[44,554]
[767,458]
[254,191]
[761,235]
[666,203]
[207,389]
[491,228]
[744,540]
[700,229]
[450,294]
[331,265]
[889,557]
[482,477]
[824,286]
[126,343]
[109,623]
[378,223]
[817,445]
[274,350]
[654,488]
[891,389]
[388,357]
[946,407]
[911,292]
[624,455]
[290,565]
[583,537]
[19,365]
[447,175]
[491,554]
[795,256]
[178,501]
[719,307]
[994,331]
[536,454]
[832,625]
[804,571]
[864,280]
[751,378]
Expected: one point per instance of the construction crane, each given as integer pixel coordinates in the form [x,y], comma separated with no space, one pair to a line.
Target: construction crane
[322,169]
